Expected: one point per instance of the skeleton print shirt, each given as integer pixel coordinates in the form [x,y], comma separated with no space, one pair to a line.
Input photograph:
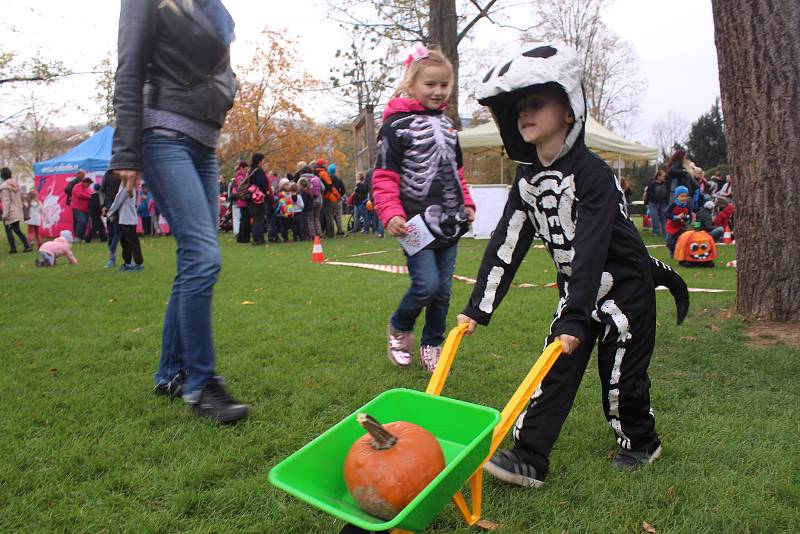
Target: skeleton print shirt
[419,157]
[577,209]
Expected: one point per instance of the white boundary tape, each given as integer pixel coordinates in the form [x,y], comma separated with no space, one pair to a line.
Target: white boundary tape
[402,269]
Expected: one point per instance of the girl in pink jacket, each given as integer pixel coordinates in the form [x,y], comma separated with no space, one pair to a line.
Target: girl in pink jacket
[419,172]
[61,246]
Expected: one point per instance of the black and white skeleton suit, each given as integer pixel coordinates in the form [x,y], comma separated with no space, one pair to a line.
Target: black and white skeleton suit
[605,276]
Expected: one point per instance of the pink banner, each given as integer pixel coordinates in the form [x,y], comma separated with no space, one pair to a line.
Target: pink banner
[56,215]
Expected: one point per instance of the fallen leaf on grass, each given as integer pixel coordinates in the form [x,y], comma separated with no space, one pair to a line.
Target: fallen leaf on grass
[19,343]
[247,302]
[136,330]
[334,318]
[497,356]
[713,327]
[688,338]
[610,454]
[53,372]
[112,301]
[648,527]
[671,493]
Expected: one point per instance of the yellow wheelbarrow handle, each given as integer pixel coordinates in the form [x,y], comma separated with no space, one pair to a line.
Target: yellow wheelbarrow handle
[508,416]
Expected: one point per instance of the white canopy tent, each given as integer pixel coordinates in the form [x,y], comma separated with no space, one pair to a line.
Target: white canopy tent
[485,139]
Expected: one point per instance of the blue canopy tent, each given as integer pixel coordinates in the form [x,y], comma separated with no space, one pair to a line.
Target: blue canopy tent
[91,156]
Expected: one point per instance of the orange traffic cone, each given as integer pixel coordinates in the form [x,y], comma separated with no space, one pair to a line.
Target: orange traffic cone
[726,237]
[316,253]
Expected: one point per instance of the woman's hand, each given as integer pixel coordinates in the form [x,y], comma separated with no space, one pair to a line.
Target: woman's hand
[469,321]
[130,179]
[571,343]
[470,214]
[397,226]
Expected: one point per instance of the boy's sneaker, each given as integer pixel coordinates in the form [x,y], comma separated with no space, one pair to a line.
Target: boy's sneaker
[400,344]
[110,263]
[626,460]
[136,267]
[125,267]
[214,402]
[429,356]
[506,465]
[173,388]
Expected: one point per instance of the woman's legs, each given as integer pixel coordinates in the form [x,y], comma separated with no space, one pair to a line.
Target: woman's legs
[182,175]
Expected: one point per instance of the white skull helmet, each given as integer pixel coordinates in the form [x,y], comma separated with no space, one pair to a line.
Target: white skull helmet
[514,78]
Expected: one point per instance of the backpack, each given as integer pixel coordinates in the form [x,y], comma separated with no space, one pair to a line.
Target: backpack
[68,189]
[243,191]
[331,193]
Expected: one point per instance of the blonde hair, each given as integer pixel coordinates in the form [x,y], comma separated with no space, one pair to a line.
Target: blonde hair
[435,58]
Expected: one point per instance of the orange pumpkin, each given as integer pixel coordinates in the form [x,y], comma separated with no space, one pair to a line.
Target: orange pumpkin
[696,248]
[390,465]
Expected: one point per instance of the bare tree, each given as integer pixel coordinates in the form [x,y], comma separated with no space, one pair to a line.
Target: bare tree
[31,136]
[364,74]
[668,132]
[36,69]
[104,99]
[611,76]
[444,23]
[759,71]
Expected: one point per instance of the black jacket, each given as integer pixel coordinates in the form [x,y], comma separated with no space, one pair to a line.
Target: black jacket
[169,58]
[109,189]
[576,208]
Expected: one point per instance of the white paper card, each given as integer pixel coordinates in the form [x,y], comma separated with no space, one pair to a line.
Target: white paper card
[418,236]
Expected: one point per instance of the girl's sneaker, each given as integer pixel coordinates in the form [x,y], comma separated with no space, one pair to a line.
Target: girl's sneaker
[400,344]
[429,356]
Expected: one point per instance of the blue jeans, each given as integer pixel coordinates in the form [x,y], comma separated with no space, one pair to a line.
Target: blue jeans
[113,238]
[656,212]
[431,273]
[79,219]
[359,211]
[183,174]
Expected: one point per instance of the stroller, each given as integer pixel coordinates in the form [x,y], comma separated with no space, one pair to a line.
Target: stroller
[225,221]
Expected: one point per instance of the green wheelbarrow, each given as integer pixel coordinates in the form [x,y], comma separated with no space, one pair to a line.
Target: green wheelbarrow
[468,434]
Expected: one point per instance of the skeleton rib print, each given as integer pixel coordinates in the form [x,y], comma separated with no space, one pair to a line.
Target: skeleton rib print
[552,201]
[431,142]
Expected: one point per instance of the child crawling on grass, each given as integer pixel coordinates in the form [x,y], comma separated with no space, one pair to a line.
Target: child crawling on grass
[50,251]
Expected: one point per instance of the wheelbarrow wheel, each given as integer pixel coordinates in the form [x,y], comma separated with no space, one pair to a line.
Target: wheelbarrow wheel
[352,529]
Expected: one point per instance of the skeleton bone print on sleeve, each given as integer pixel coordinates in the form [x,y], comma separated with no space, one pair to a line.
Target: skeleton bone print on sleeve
[431,156]
[551,197]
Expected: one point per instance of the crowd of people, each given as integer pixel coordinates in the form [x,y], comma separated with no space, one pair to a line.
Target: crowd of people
[260,207]
[679,197]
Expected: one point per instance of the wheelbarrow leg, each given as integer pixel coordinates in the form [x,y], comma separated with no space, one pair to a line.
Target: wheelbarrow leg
[352,529]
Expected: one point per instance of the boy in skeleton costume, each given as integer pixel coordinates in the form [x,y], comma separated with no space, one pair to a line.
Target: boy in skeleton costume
[571,200]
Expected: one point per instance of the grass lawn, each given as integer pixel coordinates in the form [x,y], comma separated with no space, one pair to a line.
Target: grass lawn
[91,450]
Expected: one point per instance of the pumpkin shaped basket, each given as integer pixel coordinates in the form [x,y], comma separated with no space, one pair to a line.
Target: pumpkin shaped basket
[467,433]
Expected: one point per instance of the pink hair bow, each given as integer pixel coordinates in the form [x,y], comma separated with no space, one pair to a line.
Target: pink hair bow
[419,53]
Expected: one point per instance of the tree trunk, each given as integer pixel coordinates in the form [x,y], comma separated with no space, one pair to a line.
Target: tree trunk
[443,32]
[758,46]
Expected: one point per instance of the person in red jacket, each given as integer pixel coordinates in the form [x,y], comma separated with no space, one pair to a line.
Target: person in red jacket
[81,194]
[725,216]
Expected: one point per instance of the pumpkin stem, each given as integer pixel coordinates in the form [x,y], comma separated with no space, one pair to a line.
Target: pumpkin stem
[381,438]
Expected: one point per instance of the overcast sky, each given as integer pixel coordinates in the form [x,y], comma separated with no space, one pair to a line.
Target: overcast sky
[674,40]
